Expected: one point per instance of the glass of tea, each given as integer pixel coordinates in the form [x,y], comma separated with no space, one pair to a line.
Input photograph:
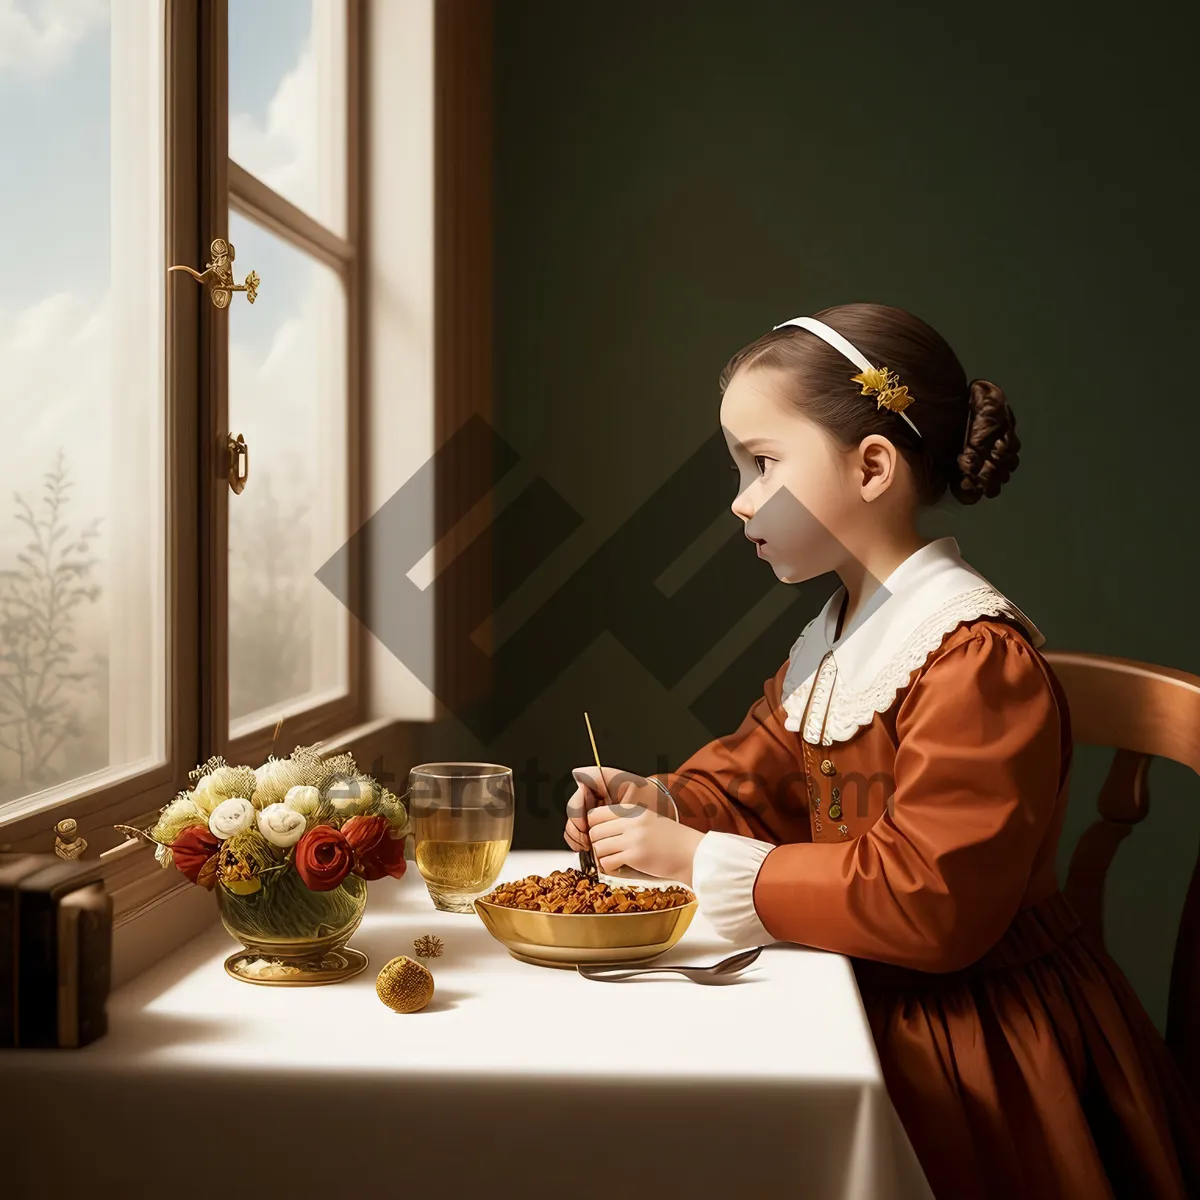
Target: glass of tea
[462,823]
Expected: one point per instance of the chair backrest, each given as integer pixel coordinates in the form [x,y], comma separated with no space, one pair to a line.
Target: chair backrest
[1141,712]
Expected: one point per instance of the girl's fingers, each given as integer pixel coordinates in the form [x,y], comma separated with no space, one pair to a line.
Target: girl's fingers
[614,785]
[572,837]
[612,859]
[581,800]
[603,830]
[615,812]
[597,817]
[591,790]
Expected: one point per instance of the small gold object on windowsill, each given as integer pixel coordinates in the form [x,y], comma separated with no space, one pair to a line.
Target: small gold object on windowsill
[405,985]
[67,842]
[217,275]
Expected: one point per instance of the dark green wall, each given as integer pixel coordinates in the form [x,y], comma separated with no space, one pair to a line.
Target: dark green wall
[674,179]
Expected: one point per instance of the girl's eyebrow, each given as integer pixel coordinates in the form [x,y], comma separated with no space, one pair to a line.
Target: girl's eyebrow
[755,443]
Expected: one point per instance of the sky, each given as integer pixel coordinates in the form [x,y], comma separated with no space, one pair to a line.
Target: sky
[55,388]
[55,319]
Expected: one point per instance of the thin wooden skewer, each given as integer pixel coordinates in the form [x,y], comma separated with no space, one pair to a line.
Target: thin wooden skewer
[603,783]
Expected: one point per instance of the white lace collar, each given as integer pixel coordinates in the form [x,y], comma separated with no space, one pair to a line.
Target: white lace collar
[858,675]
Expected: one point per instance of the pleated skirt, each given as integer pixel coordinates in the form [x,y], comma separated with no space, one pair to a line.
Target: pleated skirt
[1034,1073]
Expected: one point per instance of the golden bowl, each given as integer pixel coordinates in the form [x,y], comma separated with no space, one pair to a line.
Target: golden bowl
[567,939]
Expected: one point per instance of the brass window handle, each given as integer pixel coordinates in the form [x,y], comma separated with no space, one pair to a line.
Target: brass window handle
[238,471]
[217,276]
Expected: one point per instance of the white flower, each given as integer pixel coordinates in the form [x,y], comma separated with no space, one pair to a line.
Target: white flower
[175,818]
[230,817]
[280,825]
[303,799]
[225,783]
[348,796]
[204,796]
[274,779]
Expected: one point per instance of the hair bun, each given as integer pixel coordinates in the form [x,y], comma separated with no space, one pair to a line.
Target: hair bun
[990,449]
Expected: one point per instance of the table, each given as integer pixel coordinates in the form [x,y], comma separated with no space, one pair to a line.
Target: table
[516,1079]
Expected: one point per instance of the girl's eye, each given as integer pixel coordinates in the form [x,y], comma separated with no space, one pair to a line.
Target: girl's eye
[760,461]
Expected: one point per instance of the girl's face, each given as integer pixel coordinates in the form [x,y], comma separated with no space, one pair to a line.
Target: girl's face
[801,496]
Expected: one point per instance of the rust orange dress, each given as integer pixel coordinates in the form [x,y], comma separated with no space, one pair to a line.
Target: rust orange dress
[896,795]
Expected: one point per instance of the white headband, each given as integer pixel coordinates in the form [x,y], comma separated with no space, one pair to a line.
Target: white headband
[840,344]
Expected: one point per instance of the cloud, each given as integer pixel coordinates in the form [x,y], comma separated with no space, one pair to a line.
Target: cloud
[282,152]
[38,35]
[280,391]
[55,367]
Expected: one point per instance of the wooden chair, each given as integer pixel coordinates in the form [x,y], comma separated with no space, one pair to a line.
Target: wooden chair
[1142,712]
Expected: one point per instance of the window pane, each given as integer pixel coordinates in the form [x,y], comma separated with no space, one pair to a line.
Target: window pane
[82,325]
[287,100]
[288,636]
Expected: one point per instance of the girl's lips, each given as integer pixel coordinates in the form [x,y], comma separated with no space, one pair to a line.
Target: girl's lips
[758,549]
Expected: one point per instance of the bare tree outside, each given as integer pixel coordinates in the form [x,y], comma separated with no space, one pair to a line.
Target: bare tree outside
[270,616]
[51,729]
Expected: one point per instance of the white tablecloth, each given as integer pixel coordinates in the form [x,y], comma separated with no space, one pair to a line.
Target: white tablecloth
[516,1078]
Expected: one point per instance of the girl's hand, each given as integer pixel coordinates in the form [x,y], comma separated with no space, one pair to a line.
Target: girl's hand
[624,787]
[633,836]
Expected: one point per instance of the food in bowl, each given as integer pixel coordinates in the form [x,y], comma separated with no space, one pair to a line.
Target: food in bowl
[573,892]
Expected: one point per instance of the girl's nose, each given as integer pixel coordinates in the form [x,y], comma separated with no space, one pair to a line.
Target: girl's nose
[741,505]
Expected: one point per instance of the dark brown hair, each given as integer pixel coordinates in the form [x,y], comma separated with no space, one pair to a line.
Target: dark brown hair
[968,439]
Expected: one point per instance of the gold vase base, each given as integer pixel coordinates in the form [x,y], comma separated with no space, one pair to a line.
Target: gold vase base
[335,966]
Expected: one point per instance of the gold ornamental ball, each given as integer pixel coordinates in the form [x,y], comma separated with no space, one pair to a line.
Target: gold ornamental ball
[404,985]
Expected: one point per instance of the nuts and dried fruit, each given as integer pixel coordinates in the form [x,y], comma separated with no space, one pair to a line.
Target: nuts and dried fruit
[574,892]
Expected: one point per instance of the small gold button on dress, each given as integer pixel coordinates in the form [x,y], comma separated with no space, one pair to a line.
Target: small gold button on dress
[827,767]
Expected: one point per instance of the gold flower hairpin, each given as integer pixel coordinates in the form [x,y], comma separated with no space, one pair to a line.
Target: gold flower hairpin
[893,395]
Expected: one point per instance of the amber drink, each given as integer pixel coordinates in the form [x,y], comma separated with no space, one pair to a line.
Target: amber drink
[462,821]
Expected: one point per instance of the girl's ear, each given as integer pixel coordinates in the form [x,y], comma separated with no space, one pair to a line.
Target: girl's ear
[878,460]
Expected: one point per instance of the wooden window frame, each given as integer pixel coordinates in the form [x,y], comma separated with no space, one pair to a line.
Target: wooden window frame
[230,187]
[136,795]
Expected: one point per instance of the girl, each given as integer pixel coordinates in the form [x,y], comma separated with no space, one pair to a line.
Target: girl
[897,793]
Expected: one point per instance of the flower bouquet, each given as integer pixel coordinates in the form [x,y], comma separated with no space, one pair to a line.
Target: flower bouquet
[287,848]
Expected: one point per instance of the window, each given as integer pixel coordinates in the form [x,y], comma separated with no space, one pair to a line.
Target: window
[161,618]
[83,398]
[293,200]
[149,615]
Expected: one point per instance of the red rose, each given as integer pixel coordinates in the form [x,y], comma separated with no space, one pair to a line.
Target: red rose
[323,858]
[377,850]
[192,849]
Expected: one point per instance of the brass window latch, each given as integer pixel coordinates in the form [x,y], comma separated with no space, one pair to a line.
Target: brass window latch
[238,471]
[217,275]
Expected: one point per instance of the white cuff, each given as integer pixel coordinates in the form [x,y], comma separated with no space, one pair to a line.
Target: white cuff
[723,874]
[662,787]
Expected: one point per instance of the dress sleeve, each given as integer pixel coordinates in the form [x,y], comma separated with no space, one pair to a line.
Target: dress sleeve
[734,783]
[935,882]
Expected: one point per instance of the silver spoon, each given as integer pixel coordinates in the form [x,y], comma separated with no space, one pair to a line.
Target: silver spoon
[727,966]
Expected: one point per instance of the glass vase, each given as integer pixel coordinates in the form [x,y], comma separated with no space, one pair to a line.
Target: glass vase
[291,936]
